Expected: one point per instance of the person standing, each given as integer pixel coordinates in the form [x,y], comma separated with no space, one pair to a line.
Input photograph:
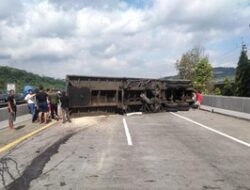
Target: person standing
[59,108]
[31,100]
[64,99]
[11,108]
[194,96]
[41,99]
[54,100]
[48,91]
[199,98]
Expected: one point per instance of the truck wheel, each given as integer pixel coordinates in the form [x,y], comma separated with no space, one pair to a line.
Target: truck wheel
[184,106]
[171,107]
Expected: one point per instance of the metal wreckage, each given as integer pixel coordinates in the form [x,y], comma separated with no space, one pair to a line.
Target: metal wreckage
[123,95]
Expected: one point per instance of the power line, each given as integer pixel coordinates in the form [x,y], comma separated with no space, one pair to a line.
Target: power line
[226,54]
[229,52]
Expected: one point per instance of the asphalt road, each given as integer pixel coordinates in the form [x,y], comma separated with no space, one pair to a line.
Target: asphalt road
[191,150]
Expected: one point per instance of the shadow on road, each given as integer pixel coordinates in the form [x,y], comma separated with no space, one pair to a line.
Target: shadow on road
[20,127]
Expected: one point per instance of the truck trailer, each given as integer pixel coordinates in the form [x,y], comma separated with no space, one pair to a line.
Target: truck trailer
[123,95]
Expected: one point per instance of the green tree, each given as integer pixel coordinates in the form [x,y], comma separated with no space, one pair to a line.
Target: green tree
[194,65]
[2,86]
[203,76]
[22,78]
[217,91]
[186,66]
[228,89]
[242,79]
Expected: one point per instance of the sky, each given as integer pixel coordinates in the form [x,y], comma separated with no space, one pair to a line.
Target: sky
[123,38]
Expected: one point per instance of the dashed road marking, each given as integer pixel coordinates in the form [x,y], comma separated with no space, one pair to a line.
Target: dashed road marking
[213,130]
[19,140]
[127,132]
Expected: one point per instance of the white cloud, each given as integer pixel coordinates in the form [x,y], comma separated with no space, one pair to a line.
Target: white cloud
[44,20]
[11,10]
[111,37]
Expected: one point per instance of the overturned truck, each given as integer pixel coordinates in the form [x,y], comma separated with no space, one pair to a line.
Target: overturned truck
[122,95]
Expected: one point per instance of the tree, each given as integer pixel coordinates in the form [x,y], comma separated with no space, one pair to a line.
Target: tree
[194,65]
[217,91]
[242,79]
[22,78]
[228,89]
[2,87]
[186,66]
[203,76]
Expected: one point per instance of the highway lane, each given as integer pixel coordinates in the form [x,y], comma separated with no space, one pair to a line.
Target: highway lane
[167,152]
[232,126]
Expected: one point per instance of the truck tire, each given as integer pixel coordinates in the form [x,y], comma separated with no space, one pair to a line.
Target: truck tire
[171,107]
[184,106]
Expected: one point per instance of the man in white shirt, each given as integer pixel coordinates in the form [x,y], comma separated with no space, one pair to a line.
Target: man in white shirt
[31,100]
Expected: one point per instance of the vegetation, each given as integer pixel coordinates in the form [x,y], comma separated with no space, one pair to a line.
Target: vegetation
[22,78]
[186,66]
[228,88]
[203,76]
[220,73]
[242,79]
[217,91]
[194,66]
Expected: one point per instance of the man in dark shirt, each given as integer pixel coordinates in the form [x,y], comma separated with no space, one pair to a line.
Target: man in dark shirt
[64,99]
[54,99]
[11,108]
[41,98]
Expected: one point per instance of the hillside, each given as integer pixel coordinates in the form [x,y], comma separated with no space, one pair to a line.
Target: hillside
[219,73]
[21,78]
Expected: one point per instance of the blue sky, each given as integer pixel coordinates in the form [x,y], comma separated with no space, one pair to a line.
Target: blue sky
[126,38]
[141,4]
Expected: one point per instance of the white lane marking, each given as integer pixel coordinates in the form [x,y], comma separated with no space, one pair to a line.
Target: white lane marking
[127,132]
[134,113]
[213,130]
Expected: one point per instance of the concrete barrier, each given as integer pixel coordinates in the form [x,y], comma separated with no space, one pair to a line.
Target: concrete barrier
[21,110]
[239,104]
[224,102]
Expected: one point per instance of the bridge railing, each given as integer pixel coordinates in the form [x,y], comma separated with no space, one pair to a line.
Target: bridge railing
[225,102]
[240,104]
[21,110]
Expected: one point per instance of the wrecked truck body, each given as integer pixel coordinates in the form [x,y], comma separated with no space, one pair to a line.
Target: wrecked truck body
[122,95]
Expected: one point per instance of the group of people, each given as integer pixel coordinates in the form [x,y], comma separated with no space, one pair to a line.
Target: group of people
[43,105]
[51,104]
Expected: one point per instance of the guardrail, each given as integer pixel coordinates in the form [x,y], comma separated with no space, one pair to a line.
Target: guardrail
[240,104]
[4,104]
[21,110]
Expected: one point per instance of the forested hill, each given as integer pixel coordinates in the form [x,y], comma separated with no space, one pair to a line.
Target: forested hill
[220,73]
[21,78]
